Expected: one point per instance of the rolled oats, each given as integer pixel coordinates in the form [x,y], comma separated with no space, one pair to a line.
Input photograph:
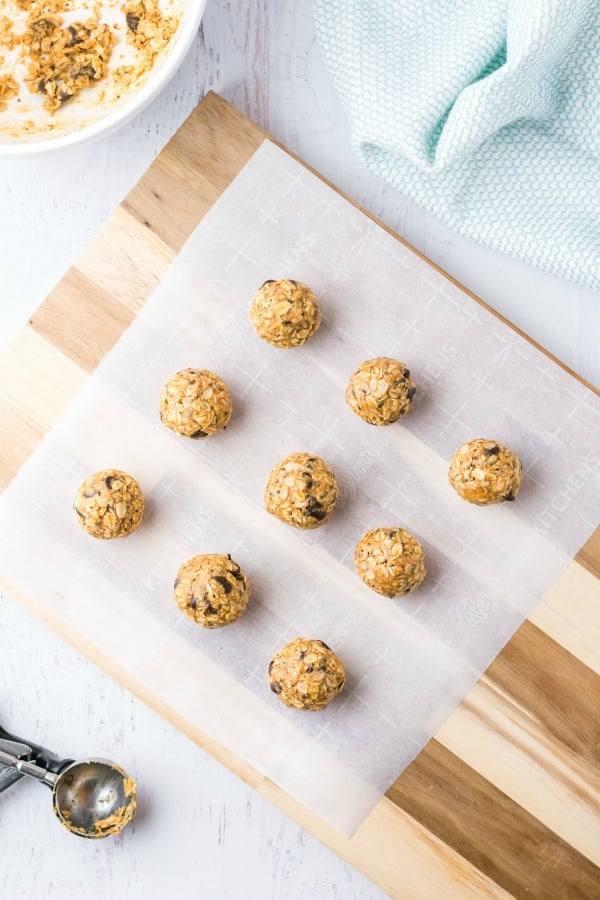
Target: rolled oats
[109,504]
[195,403]
[306,674]
[285,313]
[63,59]
[301,491]
[380,391]
[8,89]
[390,561]
[485,472]
[212,590]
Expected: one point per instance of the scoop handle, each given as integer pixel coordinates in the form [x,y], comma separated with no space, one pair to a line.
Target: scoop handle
[26,751]
[26,767]
[10,744]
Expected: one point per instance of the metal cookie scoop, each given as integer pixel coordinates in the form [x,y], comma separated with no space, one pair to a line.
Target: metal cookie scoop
[93,799]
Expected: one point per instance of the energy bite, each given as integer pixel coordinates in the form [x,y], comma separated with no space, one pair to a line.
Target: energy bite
[390,561]
[306,674]
[109,504]
[195,403]
[380,391]
[301,491]
[285,313]
[485,472]
[212,590]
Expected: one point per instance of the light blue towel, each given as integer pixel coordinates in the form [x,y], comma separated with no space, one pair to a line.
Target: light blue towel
[485,112]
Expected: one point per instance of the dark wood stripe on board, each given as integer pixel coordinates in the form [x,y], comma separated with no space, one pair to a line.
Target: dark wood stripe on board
[491,831]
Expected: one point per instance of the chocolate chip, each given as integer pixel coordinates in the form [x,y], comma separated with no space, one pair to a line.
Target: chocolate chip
[315,509]
[509,496]
[310,669]
[75,39]
[224,582]
[193,602]
[199,434]
[268,281]
[209,610]
[276,687]
[176,583]
[302,654]
[323,667]
[406,373]
[324,645]
[43,26]
[271,664]
[87,72]
[132,21]
[492,451]
[110,481]
[411,392]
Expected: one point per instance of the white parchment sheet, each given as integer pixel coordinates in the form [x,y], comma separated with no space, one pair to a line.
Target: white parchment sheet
[409,661]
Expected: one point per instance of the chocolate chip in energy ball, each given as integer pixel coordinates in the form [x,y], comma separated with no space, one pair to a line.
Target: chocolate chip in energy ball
[484,472]
[306,674]
[109,504]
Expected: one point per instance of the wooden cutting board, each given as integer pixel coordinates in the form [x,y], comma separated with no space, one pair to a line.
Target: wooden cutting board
[505,800]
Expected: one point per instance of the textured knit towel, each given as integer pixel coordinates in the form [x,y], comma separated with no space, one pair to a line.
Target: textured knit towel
[485,112]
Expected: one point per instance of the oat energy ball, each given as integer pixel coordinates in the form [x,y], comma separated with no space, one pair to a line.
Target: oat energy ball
[390,561]
[285,313]
[485,472]
[301,491]
[109,504]
[306,674]
[195,403]
[380,391]
[212,590]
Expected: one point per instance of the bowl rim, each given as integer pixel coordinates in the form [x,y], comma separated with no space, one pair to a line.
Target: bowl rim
[105,125]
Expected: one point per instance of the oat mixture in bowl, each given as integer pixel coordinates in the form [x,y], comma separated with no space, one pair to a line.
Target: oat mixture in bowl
[74,69]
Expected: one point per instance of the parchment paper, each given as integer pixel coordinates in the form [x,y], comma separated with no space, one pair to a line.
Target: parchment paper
[409,661]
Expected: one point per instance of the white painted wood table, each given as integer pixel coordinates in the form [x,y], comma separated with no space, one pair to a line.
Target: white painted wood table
[201,832]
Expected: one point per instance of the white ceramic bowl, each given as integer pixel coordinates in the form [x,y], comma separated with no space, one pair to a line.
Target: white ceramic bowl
[86,120]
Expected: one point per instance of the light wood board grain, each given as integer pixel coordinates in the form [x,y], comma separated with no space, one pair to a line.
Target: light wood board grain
[506,799]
